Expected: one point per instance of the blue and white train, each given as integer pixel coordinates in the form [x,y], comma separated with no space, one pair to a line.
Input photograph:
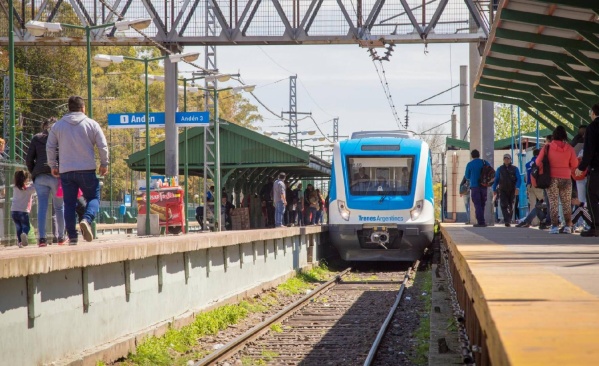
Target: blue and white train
[381,202]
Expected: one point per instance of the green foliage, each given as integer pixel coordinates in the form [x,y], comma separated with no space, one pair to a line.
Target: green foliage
[438,192]
[269,355]
[452,325]
[277,328]
[422,334]
[294,286]
[505,115]
[303,280]
[422,338]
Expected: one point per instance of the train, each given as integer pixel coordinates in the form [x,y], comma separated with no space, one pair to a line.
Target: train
[381,200]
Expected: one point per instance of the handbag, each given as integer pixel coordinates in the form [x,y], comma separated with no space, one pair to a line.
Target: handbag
[543,180]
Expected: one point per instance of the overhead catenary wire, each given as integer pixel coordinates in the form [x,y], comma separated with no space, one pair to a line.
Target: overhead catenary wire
[387,91]
[300,81]
[432,128]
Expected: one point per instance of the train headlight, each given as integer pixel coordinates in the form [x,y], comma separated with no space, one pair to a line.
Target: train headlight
[417,210]
[343,211]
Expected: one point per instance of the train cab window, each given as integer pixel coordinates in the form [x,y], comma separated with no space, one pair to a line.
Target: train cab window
[374,175]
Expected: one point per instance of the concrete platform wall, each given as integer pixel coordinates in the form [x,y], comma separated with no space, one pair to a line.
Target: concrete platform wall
[98,304]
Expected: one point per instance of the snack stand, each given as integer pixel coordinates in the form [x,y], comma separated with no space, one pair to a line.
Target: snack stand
[167,203]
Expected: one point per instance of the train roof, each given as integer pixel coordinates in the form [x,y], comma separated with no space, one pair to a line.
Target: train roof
[403,134]
[382,144]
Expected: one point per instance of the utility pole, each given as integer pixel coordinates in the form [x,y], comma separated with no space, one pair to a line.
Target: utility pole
[293,111]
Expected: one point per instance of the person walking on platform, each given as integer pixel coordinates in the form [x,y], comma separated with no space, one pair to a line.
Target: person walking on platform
[311,203]
[71,156]
[478,194]
[278,194]
[46,185]
[21,205]
[534,194]
[507,182]
[465,194]
[562,159]
[579,138]
[590,161]
[299,193]
[266,202]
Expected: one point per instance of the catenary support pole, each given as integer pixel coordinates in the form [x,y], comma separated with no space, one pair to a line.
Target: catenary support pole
[488,151]
[171,142]
[475,112]
[463,102]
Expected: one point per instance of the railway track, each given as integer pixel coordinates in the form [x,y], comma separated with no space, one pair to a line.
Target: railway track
[339,323]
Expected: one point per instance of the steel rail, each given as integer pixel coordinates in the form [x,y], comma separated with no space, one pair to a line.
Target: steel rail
[257,331]
[383,329]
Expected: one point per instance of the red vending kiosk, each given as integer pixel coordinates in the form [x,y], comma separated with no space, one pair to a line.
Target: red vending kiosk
[168,203]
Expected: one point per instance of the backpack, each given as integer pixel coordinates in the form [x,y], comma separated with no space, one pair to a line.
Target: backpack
[542,180]
[487,175]
[507,177]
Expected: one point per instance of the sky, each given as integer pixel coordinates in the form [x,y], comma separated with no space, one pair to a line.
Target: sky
[341,81]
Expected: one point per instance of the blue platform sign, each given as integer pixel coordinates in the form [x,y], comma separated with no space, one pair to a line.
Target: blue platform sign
[157,119]
[135,120]
[192,119]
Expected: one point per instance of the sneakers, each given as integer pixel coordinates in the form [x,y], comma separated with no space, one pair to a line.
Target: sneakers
[42,242]
[523,224]
[55,240]
[24,240]
[479,225]
[507,224]
[62,241]
[86,230]
[72,241]
[567,230]
[554,230]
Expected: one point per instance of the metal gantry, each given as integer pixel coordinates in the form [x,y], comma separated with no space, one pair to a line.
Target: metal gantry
[335,129]
[211,156]
[258,22]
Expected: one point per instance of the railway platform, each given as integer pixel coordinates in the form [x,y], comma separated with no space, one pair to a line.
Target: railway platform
[96,301]
[529,298]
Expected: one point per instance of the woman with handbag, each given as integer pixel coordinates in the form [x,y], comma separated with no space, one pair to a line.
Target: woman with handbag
[562,158]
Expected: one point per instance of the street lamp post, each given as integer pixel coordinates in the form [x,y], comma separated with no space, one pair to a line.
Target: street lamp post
[105,61]
[39,28]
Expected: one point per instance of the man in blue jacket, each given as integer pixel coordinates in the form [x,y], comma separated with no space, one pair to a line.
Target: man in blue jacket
[507,181]
[478,194]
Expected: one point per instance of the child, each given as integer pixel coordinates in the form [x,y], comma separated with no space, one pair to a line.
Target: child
[21,206]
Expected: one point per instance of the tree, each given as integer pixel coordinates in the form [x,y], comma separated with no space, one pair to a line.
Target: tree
[435,138]
[506,115]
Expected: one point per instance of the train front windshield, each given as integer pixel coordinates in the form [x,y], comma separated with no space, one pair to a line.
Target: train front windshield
[375,175]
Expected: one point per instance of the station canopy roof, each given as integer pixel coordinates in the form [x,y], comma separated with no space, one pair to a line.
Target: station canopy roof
[243,151]
[543,55]
[529,139]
